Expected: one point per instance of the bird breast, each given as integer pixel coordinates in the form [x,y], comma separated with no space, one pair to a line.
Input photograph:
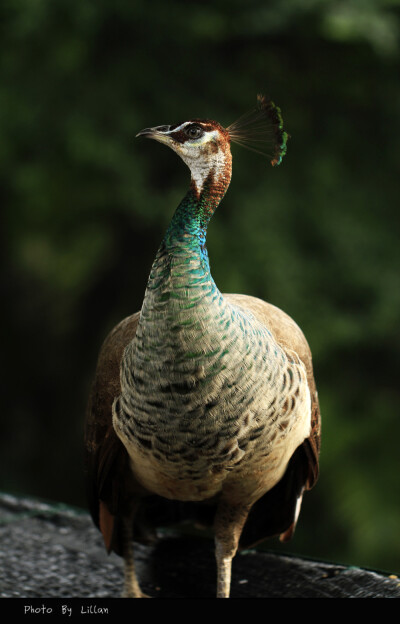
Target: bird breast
[208,398]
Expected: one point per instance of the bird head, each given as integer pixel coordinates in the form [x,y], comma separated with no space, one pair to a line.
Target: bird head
[204,145]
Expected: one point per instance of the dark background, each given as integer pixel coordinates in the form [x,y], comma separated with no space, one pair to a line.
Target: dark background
[84,206]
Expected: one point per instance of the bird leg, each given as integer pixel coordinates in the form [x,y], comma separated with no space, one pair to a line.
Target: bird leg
[131,584]
[229,522]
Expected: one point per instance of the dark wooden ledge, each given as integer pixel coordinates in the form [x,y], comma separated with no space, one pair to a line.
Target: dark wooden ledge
[55,552]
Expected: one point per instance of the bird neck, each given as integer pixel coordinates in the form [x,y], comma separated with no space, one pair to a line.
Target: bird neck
[188,227]
[180,281]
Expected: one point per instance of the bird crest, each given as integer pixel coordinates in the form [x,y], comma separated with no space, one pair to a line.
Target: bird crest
[261,130]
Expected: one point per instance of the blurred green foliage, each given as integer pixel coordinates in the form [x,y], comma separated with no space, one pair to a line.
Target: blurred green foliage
[84,207]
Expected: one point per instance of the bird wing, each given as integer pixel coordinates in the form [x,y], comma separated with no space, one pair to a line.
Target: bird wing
[109,482]
[276,512]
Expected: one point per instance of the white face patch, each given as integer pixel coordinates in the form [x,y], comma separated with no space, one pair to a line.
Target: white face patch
[200,159]
[206,154]
[183,125]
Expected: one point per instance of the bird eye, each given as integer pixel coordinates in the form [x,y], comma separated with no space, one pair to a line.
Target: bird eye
[193,131]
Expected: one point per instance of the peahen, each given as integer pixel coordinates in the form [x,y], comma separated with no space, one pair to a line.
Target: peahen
[203,404]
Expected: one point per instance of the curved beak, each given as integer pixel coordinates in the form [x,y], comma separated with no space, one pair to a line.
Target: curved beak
[159,133]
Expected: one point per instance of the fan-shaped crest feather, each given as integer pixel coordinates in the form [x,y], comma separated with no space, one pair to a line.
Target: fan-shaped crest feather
[261,130]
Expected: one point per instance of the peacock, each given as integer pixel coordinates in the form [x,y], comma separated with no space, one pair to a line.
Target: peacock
[204,405]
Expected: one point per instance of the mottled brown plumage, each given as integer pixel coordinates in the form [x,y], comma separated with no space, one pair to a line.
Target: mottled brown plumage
[141,470]
[110,482]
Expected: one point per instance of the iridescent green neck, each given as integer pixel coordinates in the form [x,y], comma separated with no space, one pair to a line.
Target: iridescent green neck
[188,227]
